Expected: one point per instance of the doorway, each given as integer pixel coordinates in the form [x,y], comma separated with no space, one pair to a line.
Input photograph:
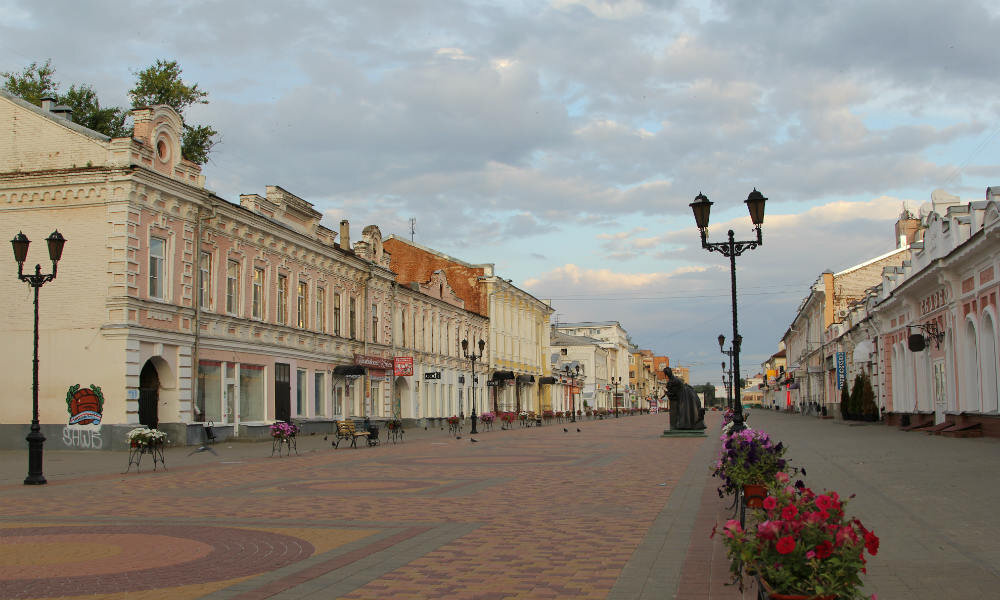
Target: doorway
[149,395]
[282,392]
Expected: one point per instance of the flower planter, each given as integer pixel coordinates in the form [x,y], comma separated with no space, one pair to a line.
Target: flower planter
[754,495]
[773,595]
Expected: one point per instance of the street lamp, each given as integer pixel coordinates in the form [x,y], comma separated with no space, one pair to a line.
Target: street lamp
[614,398]
[35,439]
[572,396]
[473,358]
[725,384]
[701,207]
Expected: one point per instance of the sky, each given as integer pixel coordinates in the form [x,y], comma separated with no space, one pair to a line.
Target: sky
[562,141]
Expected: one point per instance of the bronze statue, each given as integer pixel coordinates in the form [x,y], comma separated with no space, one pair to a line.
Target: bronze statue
[686,412]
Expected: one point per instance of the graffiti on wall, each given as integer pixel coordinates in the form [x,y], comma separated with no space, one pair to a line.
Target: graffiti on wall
[86,408]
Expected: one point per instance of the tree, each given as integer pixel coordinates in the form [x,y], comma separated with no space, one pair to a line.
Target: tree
[845,400]
[33,83]
[87,111]
[161,83]
[37,81]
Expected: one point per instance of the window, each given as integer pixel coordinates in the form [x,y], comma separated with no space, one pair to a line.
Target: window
[318,404]
[232,287]
[336,313]
[209,405]
[258,292]
[302,307]
[300,393]
[375,322]
[205,281]
[157,254]
[402,333]
[354,319]
[251,393]
[320,309]
[282,299]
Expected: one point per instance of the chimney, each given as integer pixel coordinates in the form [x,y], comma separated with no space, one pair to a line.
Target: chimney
[345,235]
[47,103]
[63,112]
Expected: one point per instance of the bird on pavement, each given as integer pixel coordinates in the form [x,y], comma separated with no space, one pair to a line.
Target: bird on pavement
[578,430]
[565,430]
[473,440]
[458,437]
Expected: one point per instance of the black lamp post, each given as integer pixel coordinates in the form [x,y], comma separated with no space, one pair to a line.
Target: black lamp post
[725,384]
[572,396]
[616,383]
[732,248]
[35,438]
[473,358]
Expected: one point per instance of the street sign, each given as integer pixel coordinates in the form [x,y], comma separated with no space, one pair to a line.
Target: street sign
[841,369]
[402,366]
[433,375]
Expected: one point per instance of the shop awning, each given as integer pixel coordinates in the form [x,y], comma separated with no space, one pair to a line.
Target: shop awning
[546,380]
[525,378]
[502,375]
[342,370]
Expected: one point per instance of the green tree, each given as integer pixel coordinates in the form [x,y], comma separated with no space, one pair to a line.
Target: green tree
[161,83]
[845,399]
[87,111]
[33,83]
[37,81]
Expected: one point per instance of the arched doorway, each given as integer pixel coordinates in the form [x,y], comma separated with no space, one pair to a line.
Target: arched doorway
[400,390]
[971,395]
[149,395]
[988,360]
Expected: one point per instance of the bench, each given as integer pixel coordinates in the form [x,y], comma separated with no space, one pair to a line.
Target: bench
[347,430]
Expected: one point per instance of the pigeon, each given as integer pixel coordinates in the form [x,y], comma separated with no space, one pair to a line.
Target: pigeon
[578,430]
[565,430]
[458,437]
[473,440]
[324,438]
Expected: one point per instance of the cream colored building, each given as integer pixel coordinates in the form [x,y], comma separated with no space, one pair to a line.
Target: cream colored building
[176,306]
[613,338]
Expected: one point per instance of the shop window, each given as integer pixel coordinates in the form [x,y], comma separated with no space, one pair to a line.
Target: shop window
[252,396]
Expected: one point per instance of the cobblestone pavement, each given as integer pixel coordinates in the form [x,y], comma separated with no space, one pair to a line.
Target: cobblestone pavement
[608,511]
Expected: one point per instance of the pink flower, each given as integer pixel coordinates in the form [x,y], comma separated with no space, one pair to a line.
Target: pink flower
[732,527]
[781,476]
[785,545]
[770,503]
[810,555]
[768,530]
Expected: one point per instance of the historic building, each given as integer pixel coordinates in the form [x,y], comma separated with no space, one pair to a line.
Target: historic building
[174,307]
[594,361]
[518,323]
[613,338]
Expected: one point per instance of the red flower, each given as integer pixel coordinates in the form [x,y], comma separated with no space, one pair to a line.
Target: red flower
[789,512]
[871,543]
[824,502]
[768,530]
[824,549]
[785,545]
[770,503]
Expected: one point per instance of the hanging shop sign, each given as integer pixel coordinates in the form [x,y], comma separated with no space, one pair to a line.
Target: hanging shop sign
[402,366]
[373,362]
[433,375]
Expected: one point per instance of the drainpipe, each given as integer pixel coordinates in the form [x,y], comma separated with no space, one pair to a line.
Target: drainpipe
[364,327]
[392,335]
[197,305]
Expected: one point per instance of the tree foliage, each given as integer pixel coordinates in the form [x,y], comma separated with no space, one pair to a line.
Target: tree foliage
[159,83]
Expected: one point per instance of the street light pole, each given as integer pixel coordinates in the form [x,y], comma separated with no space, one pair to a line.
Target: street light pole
[732,248]
[614,398]
[473,357]
[35,438]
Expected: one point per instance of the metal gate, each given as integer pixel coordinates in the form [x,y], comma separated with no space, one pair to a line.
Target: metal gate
[148,399]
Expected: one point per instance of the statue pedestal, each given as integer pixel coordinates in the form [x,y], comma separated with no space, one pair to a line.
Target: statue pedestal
[684,433]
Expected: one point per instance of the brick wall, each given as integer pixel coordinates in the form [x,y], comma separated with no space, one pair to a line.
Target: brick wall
[413,264]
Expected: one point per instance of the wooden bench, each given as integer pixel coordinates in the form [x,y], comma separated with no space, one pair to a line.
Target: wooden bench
[346,430]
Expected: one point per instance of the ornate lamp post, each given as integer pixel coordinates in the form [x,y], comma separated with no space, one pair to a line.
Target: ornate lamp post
[35,438]
[729,353]
[725,384]
[473,357]
[616,382]
[701,208]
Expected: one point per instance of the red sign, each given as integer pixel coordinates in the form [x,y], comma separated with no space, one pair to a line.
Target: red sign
[403,366]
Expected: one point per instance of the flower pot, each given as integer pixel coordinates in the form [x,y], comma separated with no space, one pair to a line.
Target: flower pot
[754,495]
[772,595]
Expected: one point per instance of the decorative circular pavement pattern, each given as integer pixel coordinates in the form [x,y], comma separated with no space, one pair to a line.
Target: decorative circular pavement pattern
[51,561]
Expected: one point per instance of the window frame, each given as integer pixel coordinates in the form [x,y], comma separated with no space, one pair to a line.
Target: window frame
[157,270]
[233,272]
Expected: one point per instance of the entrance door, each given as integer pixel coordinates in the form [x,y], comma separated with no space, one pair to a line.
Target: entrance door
[282,392]
[149,395]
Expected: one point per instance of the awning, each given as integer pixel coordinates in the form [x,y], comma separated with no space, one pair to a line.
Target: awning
[525,378]
[863,351]
[502,375]
[546,380]
[342,370]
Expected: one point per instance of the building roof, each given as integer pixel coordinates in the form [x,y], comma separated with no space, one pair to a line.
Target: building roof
[54,118]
